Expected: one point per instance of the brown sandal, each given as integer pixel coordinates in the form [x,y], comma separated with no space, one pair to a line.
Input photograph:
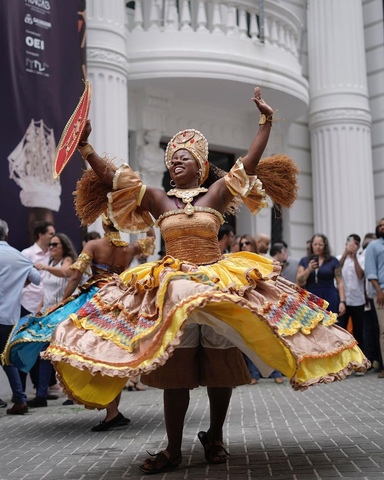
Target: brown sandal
[215,452]
[161,462]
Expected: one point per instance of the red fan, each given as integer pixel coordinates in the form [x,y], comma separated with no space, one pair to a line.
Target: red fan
[72,132]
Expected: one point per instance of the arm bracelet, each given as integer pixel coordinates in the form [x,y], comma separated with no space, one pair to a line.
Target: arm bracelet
[86,150]
[147,245]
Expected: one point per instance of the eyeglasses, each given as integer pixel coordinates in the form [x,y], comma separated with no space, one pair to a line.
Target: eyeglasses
[243,244]
[54,244]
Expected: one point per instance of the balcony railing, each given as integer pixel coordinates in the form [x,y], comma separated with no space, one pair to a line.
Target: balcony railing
[230,18]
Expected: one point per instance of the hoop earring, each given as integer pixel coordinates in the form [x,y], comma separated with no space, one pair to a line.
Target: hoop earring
[172,183]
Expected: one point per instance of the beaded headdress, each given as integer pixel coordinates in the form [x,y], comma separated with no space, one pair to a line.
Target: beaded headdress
[196,144]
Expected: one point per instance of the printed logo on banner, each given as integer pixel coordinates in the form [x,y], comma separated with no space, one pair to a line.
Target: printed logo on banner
[39,4]
[37,21]
[47,38]
[35,60]
[34,42]
[35,66]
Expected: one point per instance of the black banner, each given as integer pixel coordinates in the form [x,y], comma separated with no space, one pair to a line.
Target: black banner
[42,57]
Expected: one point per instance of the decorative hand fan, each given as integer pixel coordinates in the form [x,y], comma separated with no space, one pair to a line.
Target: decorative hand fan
[72,132]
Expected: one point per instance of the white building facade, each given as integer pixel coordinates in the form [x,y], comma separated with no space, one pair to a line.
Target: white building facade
[167,65]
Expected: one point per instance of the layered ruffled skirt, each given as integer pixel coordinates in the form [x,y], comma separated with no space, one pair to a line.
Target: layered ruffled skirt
[32,334]
[134,323]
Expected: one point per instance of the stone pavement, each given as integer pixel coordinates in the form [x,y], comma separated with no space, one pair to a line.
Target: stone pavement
[327,432]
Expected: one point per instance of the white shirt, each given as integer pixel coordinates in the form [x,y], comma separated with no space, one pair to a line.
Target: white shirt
[54,288]
[353,285]
[33,295]
[15,269]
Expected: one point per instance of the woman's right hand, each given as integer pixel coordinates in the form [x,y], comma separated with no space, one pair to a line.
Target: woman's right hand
[86,132]
[261,104]
[313,264]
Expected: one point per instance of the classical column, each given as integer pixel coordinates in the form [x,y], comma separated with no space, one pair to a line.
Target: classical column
[340,121]
[107,69]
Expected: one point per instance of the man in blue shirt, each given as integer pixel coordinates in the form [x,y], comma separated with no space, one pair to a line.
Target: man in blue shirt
[15,271]
[374,272]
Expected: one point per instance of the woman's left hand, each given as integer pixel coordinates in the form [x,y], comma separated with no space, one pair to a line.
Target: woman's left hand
[261,104]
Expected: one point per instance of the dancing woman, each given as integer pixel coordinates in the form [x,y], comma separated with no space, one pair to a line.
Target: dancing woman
[100,260]
[179,320]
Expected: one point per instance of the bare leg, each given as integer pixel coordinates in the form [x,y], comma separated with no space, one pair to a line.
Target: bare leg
[212,440]
[112,409]
[113,417]
[176,402]
[219,399]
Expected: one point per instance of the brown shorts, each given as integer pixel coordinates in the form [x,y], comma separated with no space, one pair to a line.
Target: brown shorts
[202,358]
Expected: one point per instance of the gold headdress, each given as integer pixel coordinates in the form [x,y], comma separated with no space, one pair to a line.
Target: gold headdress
[196,144]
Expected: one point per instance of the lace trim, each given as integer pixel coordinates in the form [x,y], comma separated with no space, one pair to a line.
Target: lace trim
[197,209]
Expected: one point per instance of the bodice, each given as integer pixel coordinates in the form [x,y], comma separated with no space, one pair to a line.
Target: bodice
[192,238]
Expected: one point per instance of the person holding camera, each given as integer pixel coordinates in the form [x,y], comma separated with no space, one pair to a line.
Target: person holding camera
[352,268]
[320,271]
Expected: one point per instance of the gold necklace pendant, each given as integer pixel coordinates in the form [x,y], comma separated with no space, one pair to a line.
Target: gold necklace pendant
[187,195]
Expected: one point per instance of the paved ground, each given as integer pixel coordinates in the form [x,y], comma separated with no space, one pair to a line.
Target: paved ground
[328,432]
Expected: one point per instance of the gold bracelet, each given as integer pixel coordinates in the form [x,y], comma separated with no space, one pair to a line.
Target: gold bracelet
[86,150]
[147,245]
[264,119]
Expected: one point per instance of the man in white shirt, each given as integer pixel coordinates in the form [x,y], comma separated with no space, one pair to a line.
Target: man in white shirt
[33,295]
[352,267]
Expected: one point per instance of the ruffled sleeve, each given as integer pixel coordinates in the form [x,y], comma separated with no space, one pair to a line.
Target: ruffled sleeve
[248,187]
[124,202]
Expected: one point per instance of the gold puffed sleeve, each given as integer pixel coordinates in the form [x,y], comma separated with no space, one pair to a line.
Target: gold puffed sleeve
[83,263]
[124,202]
[248,187]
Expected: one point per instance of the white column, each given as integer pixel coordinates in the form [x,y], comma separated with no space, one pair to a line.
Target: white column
[340,121]
[107,69]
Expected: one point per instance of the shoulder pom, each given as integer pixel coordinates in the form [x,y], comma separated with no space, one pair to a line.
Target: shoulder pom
[278,174]
[91,197]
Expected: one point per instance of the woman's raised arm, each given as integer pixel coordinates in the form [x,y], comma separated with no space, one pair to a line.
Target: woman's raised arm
[260,141]
[103,169]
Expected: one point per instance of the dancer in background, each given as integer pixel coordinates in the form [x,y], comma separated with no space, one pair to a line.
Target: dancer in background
[100,259]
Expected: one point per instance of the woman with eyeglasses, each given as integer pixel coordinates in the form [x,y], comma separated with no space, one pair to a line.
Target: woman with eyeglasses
[62,255]
[247,244]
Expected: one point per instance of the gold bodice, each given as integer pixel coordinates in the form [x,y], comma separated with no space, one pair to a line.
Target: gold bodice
[192,238]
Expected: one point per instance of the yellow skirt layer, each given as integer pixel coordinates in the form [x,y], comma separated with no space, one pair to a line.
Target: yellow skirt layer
[133,324]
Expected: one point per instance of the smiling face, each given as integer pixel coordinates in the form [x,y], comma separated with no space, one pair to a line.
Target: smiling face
[56,248]
[184,169]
